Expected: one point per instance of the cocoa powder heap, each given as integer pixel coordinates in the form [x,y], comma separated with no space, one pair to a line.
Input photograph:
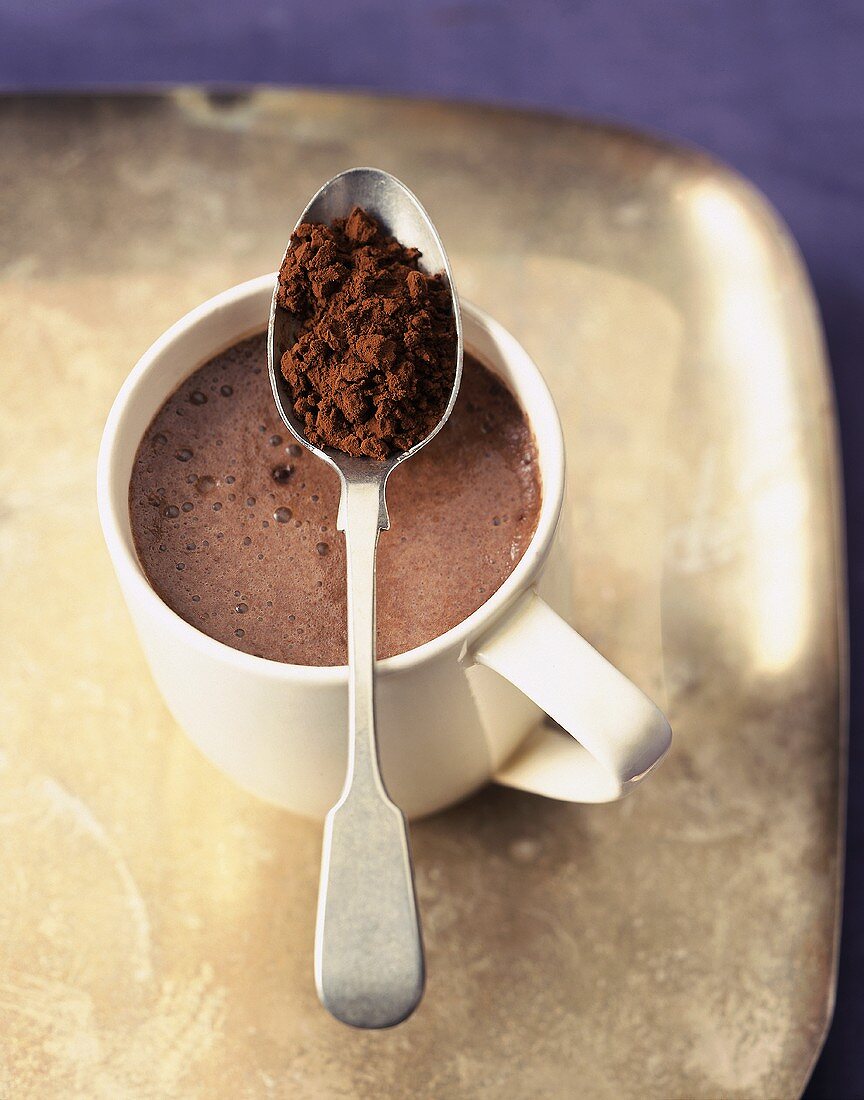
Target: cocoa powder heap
[373,363]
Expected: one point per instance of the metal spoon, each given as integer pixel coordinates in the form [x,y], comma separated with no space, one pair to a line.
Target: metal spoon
[369,966]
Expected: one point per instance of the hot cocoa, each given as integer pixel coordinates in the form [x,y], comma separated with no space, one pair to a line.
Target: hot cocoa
[234,523]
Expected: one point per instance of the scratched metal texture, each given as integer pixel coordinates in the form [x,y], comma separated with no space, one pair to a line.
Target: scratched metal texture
[155,922]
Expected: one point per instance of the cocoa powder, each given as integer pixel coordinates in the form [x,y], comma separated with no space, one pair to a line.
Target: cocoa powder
[373,363]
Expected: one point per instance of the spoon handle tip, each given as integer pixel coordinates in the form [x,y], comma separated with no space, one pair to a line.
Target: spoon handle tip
[369,965]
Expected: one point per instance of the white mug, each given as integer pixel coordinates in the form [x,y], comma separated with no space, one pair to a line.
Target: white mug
[453,713]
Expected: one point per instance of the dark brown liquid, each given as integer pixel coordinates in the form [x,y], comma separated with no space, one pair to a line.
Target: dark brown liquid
[235,525]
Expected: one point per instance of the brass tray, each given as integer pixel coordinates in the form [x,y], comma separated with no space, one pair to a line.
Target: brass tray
[156,923]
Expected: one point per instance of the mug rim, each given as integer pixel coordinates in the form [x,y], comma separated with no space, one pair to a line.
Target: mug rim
[116,527]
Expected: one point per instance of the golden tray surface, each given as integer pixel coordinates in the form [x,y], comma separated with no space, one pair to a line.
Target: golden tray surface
[156,923]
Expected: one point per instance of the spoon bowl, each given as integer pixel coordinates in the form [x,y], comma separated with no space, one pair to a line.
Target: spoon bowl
[369,965]
[399,212]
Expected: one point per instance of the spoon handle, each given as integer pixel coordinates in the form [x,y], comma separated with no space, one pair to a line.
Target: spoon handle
[369,965]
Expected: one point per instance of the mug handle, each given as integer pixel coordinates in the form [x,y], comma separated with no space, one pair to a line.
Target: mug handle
[616,734]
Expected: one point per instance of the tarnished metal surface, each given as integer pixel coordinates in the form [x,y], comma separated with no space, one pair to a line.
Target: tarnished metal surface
[156,924]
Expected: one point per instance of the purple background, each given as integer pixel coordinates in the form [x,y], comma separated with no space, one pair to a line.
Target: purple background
[774,87]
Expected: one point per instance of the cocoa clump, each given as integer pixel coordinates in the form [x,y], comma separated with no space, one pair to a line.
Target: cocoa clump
[374,358]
